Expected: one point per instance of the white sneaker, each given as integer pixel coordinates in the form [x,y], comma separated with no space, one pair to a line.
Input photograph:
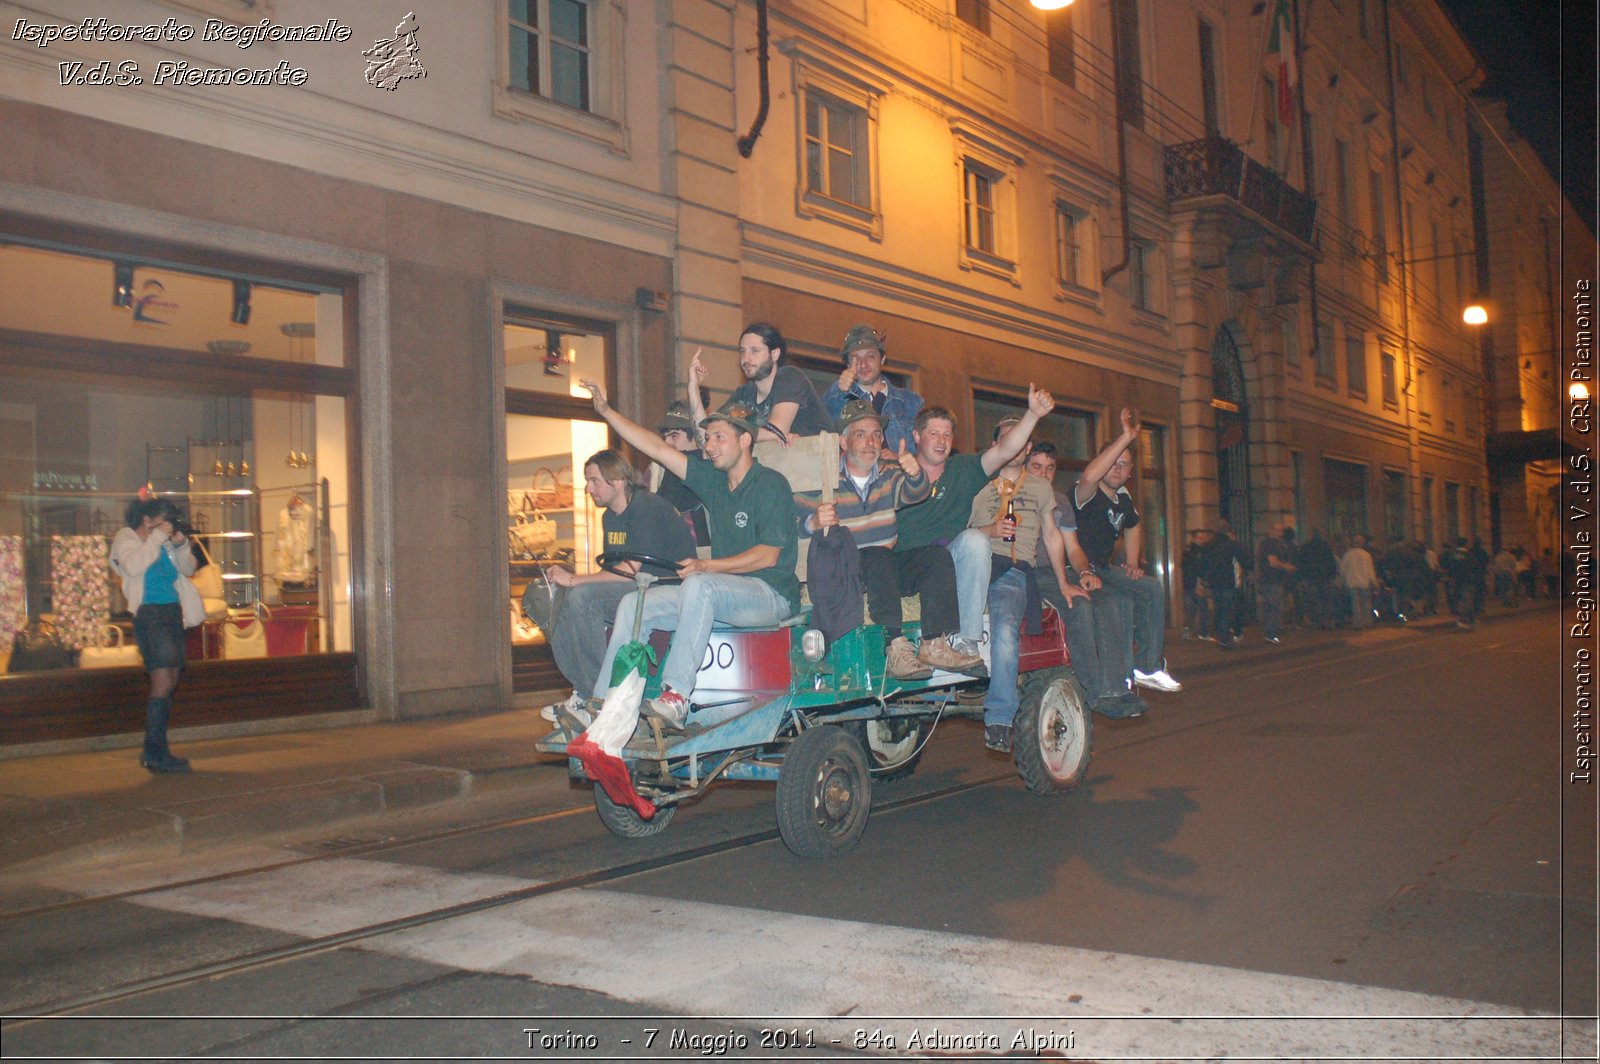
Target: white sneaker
[573,705]
[1158,680]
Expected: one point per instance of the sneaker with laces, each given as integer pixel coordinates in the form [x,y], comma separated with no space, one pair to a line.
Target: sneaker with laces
[902,663]
[669,706]
[997,737]
[941,654]
[573,705]
[1156,681]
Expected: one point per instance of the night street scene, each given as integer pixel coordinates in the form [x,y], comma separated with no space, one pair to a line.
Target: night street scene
[909,530]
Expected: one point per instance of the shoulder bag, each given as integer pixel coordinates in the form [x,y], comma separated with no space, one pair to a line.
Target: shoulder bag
[115,653]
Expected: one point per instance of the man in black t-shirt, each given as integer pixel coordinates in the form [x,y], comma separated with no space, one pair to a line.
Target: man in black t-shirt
[576,608]
[782,398]
[1104,510]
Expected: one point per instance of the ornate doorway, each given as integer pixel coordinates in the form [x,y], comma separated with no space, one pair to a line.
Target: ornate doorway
[1233,435]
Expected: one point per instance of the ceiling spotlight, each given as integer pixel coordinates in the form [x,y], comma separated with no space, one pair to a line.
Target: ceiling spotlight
[241,303]
[122,293]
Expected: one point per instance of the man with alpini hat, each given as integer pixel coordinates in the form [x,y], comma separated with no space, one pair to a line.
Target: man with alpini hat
[863,379]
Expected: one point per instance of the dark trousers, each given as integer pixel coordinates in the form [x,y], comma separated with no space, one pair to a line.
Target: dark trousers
[1097,639]
[927,572]
[1223,598]
[1272,596]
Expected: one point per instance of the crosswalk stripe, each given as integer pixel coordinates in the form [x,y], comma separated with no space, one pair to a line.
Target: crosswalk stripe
[702,959]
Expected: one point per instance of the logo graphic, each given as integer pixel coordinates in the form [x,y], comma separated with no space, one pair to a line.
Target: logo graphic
[741,519]
[392,61]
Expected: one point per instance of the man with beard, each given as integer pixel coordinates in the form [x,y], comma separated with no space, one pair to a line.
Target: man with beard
[781,398]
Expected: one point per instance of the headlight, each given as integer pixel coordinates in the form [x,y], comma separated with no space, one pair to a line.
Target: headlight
[813,645]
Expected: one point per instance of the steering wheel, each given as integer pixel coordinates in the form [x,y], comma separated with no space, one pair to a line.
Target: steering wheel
[611,561]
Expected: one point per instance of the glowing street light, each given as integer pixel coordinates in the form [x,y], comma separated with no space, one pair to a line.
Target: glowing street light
[1475,315]
[1051,5]
[1578,390]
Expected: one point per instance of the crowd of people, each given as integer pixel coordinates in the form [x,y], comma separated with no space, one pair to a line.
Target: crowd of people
[964,534]
[1348,581]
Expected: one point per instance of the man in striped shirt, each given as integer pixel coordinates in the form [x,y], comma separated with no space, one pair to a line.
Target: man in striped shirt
[867,498]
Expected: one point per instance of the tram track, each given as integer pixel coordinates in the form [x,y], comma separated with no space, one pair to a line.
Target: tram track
[256,959]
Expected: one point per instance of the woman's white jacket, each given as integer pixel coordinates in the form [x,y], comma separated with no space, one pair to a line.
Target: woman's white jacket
[131,556]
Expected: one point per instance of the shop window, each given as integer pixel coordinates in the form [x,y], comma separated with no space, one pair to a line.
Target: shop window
[551,430]
[1345,486]
[1394,506]
[228,398]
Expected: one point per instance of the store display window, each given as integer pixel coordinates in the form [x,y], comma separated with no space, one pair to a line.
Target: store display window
[227,395]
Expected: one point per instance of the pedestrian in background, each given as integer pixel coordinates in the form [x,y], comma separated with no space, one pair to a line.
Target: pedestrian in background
[155,559]
[1360,577]
[1196,597]
[1275,569]
[1315,570]
[1220,565]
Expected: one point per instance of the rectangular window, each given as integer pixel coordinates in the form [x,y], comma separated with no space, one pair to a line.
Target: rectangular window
[1341,182]
[1391,389]
[1072,431]
[1355,363]
[1394,506]
[1380,228]
[1448,402]
[1344,486]
[1290,329]
[835,147]
[1424,407]
[1427,512]
[1063,46]
[1438,265]
[974,13]
[979,204]
[1129,70]
[550,49]
[1069,245]
[1452,511]
[1325,366]
[1141,284]
[1208,76]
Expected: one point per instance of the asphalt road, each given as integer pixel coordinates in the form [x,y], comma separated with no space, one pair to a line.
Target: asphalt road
[1356,853]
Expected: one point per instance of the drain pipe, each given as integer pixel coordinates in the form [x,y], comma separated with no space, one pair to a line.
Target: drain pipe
[747,143]
[1122,154]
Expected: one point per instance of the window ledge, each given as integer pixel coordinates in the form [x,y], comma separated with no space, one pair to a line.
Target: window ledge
[1152,319]
[827,209]
[983,262]
[518,106]
[1088,298]
[1327,382]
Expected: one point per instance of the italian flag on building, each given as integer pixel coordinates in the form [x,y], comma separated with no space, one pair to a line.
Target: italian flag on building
[1282,52]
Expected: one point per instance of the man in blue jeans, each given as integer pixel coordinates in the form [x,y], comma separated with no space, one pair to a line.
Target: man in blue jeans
[1016,513]
[749,579]
[1105,511]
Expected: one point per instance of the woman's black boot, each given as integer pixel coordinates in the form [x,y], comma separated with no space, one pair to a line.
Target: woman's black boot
[156,756]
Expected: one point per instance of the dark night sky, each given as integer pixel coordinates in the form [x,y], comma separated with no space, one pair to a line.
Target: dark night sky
[1540,56]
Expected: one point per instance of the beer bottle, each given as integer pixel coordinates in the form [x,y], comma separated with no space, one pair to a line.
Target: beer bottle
[1011,515]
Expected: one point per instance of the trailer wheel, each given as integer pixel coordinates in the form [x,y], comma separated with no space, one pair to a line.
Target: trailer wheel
[623,821]
[1052,733]
[824,793]
[893,745]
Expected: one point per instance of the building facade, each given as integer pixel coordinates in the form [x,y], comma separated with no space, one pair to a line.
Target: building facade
[362,259]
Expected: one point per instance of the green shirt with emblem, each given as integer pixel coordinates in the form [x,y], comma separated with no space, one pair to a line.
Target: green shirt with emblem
[943,515]
[759,512]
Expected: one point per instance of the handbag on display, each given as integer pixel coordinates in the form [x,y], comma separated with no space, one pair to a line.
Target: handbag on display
[39,648]
[116,653]
[244,637]
[550,491]
[532,535]
[289,630]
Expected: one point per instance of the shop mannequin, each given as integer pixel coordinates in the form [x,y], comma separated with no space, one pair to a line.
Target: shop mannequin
[293,556]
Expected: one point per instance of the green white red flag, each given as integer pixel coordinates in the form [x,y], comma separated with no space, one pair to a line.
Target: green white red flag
[1282,51]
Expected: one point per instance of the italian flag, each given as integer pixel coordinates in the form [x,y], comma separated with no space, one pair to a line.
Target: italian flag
[1282,49]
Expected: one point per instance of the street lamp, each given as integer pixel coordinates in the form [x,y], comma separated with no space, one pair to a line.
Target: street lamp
[1051,5]
[1578,391]
[1475,314]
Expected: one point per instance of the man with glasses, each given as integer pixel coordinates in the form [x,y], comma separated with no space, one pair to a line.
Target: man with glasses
[863,379]
[1104,510]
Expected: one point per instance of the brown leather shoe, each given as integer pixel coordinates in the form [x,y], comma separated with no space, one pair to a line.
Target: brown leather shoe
[941,655]
[902,663]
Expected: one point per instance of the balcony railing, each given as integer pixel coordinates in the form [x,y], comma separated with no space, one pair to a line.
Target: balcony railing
[1216,166]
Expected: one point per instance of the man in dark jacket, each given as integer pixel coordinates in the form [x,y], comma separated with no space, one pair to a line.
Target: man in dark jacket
[1217,571]
[1316,568]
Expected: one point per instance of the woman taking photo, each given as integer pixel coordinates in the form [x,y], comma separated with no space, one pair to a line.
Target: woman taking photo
[155,560]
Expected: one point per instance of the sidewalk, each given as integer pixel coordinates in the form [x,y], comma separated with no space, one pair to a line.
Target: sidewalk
[95,806]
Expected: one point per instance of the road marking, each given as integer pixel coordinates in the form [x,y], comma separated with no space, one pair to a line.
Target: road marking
[702,959]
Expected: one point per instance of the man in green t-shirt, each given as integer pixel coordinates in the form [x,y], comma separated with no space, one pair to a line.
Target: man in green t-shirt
[941,521]
[749,579]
